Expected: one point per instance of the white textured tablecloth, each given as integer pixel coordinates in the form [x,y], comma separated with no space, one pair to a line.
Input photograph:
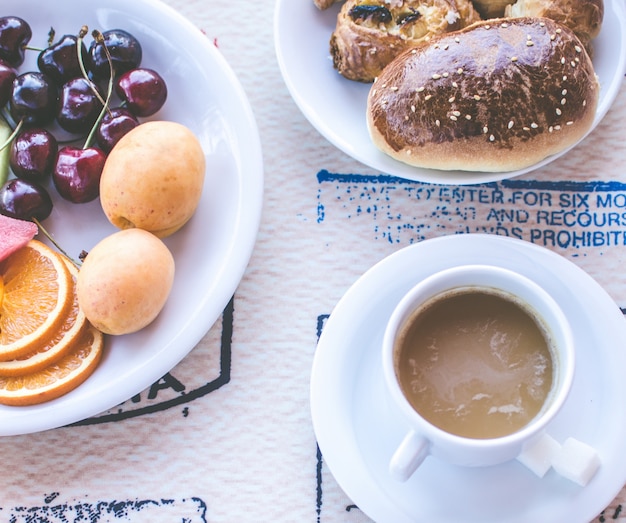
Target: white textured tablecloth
[227,435]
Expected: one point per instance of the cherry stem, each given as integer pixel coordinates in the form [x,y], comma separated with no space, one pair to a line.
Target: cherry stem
[54,242]
[97,35]
[12,135]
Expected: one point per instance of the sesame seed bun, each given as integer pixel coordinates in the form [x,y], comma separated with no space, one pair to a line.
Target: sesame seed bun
[500,95]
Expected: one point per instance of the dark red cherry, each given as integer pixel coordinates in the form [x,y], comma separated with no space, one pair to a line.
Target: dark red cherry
[60,61]
[125,51]
[77,173]
[78,106]
[33,153]
[24,200]
[115,124]
[34,99]
[7,75]
[143,90]
[15,33]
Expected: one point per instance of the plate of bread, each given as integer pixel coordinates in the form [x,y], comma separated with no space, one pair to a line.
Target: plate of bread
[452,91]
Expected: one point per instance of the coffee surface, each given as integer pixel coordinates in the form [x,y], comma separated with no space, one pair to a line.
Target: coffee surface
[475,364]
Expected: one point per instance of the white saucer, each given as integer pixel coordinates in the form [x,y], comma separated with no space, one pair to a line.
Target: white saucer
[357,428]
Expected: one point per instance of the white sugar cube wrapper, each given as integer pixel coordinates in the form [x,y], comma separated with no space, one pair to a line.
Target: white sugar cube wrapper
[576,461]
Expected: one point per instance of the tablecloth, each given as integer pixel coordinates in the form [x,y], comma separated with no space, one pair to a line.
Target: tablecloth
[227,436]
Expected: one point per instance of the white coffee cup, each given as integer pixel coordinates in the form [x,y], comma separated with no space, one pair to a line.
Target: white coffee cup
[423,438]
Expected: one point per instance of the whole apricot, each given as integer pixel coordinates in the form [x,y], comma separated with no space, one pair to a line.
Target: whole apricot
[153,178]
[125,281]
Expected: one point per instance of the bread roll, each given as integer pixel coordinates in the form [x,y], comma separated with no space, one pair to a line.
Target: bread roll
[368,35]
[500,95]
[584,17]
[324,4]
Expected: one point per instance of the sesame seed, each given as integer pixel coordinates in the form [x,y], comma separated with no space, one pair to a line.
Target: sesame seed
[492,138]
[573,63]
[529,43]
[419,89]
[528,37]
[436,46]
[558,31]
[446,47]
[485,129]
[557,127]
[445,75]
[437,123]
[578,49]
[428,97]
[526,128]
[563,60]
[413,108]
[374,90]
[453,118]
[457,40]
[454,84]
[505,25]
[569,123]
[511,124]
[565,78]
[584,103]
[563,101]
[459,70]
[476,97]
[534,125]
[558,111]
[451,99]
[487,26]
[406,118]
[436,76]
[514,59]
[456,113]
[413,51]
[550,129]
[564,92]
[553,37]
[394,88]
[468,116]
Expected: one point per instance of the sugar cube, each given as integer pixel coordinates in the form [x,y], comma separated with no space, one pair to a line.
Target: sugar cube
[538,456]
[576,461]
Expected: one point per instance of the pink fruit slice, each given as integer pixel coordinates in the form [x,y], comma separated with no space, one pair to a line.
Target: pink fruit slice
[14,234]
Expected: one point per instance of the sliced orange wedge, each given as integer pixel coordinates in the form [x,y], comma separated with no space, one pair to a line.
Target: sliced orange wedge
[36,293]
[58,378]
[60,343]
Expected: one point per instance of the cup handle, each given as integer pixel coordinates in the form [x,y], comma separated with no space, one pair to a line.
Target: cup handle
[409,456]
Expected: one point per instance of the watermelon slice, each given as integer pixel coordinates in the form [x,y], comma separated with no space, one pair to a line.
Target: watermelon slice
[14,234]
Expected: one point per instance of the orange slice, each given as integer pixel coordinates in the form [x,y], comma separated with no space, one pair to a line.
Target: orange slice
[60,343]
[35,294]
[59,378]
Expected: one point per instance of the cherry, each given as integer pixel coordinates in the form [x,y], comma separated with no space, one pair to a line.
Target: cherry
[125,51]
[79,107]
[15,33]
[33,154]
[143,90]
[7,75]
[34,99]
[60,61]
[24,200]
[115,124]
[77,173]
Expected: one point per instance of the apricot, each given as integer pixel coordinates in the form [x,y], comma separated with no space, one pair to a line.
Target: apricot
[125,280]
[153,178]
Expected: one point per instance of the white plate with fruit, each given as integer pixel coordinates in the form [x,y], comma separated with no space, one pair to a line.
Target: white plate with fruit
[211,251]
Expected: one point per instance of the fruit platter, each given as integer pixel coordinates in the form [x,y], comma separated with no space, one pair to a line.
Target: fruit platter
[168,74]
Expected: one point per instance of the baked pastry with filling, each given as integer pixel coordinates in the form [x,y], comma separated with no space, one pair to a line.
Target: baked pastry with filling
[371,33]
